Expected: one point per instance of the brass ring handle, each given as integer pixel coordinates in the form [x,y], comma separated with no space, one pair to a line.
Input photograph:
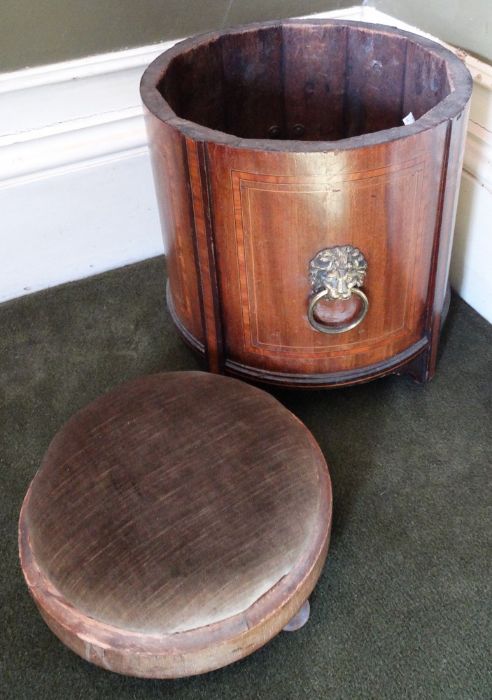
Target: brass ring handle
[336,273]
[336,329]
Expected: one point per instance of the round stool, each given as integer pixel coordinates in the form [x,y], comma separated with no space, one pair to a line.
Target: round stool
[176,525]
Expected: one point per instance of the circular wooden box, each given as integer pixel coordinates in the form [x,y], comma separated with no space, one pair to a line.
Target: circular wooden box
[308,228]
[176,525]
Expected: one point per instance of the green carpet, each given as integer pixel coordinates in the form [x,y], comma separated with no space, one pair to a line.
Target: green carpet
[401,609]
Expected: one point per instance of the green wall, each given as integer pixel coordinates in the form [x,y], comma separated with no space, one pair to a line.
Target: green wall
[464,23]
[35,32]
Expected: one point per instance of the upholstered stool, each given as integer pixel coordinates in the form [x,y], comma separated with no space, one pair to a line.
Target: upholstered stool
[176,525]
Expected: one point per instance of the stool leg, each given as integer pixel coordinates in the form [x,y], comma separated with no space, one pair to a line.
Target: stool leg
[299,619]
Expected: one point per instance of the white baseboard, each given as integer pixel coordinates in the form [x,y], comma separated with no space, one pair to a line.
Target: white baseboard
[78,223]
[76,191]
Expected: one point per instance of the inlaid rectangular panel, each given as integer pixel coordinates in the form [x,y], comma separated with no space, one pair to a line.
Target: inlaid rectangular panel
[274,212]
[278,231]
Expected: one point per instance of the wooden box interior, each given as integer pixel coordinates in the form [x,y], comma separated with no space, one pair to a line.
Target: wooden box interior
[304,82]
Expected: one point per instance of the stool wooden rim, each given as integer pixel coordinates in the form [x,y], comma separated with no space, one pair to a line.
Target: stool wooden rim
[192,651]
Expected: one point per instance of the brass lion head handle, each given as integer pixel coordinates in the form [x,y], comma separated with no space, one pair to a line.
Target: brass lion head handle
[337,273]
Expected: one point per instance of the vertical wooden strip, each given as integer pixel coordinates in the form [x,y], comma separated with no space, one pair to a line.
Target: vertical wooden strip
[346,72]
[448,201]
[170,166]
[404,84]
[283,121]
[314,69]
[253,91]
[374,77]
[438,225]
[426,80]
[203,99]
[205,254]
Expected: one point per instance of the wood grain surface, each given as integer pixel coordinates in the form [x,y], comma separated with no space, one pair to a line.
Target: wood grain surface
[175,524]
[286,138]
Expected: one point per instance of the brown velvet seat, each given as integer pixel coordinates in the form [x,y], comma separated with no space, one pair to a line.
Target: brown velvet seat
[176,524]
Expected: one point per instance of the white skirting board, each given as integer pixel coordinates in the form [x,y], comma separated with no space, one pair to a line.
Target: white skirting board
[76,192]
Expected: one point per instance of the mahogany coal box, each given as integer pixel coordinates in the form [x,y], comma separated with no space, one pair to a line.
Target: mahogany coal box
[308,227]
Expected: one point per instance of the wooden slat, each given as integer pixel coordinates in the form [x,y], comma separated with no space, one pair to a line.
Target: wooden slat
[205,254]
[314,80]
[374,81]
[253,91]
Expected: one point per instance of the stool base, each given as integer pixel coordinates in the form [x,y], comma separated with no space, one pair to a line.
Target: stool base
[299,619]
